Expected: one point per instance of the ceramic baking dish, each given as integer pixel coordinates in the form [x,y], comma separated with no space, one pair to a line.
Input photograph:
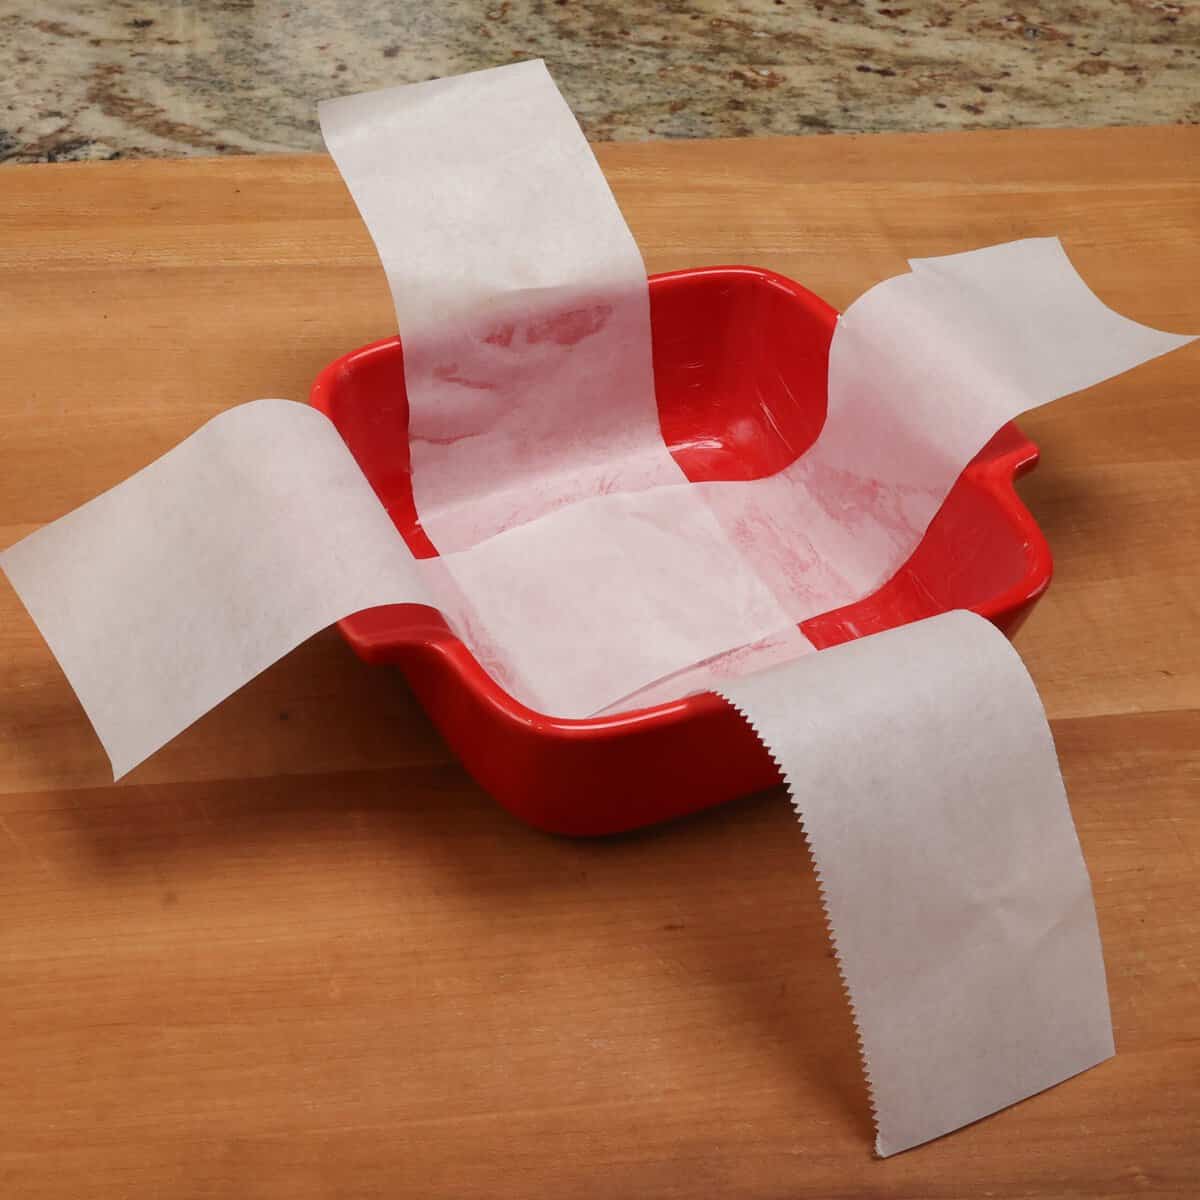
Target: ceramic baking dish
[740,362]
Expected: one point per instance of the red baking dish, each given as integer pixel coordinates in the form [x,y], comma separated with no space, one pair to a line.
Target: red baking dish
[740,362]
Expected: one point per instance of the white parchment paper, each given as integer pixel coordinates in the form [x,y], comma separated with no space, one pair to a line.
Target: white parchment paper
[923,369]
[520,293]
[921,765]
[166,593]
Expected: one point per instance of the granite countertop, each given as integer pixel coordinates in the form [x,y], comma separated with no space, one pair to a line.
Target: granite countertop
[116,78]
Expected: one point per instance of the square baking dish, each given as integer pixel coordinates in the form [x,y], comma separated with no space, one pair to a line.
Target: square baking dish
[740,361]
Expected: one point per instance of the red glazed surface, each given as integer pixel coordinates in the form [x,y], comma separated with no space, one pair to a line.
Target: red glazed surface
[740,361]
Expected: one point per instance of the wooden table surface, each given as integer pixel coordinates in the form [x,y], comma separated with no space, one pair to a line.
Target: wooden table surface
[298,953]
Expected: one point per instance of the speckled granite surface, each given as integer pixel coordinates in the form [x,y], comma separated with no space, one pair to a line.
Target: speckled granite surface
[116,78]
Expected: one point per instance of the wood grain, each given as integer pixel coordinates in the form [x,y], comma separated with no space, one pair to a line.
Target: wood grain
[299,954]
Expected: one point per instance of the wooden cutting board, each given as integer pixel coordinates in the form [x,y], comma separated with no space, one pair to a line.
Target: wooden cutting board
[298,953]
